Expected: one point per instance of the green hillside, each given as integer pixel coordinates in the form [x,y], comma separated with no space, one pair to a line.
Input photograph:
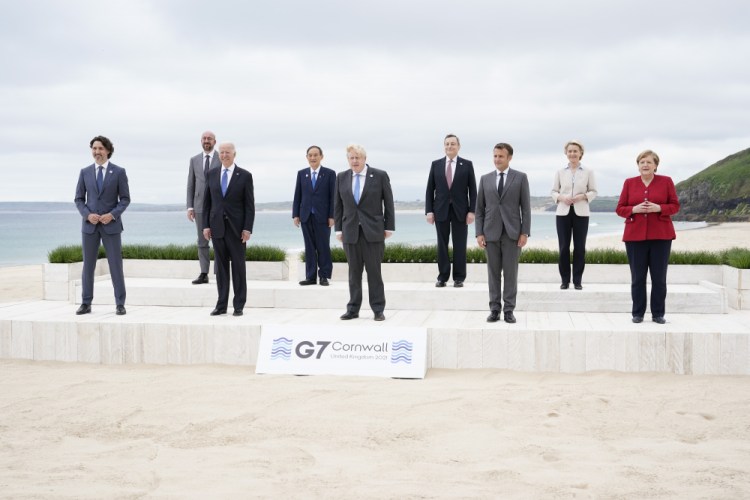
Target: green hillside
[721,192]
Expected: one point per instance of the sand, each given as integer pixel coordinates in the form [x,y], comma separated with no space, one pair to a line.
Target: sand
[93,431]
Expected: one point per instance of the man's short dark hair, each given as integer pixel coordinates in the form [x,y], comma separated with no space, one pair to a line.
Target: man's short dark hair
[505,146]
[453,135]
[105,142]
[316,147]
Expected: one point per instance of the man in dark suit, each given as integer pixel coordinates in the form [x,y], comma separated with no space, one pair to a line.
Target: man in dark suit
[364,217]
[503,225]
[196,187]
[102,195]
[313,210]
[228,217]
[450,202]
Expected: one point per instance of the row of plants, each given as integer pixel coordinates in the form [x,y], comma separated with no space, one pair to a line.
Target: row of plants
[400,253]
[73,253]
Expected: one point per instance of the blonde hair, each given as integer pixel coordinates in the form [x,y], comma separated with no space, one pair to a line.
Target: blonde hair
[646,153]
[357,149]
[573,143]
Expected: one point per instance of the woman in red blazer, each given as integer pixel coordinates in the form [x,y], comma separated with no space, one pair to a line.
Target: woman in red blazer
[647,203]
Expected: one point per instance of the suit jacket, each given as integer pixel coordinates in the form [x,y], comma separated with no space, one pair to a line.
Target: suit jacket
[653,226]
[462,194]
[375,212]
[196,183]
[114,198]
[320,198]
[238,206]
[512,211]
[584,184]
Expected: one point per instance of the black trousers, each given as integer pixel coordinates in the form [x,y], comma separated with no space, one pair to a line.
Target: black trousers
[460,231]
[230,249]
[578,227]
[648,257]
[360,256]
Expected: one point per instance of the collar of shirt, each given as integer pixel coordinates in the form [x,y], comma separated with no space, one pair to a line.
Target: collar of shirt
[106,164]
[210,156]
[362,177]
[229,170]
[580,167]
[315,170]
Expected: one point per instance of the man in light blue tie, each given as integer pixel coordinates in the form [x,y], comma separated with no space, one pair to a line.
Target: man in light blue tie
[364,217]
[102,195]
[312,210]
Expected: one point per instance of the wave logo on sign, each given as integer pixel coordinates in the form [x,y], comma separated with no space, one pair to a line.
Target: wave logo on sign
[281,348]
[401,352]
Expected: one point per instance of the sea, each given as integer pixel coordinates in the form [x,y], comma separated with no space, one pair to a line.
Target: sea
[29,236]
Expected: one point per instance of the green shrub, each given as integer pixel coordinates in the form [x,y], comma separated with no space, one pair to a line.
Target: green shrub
[695,258]
[737,257]
[255,253]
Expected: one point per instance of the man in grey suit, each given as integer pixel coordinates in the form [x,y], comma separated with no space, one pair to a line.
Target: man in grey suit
[196,188]
[102,195]
[503,225]
[364,217]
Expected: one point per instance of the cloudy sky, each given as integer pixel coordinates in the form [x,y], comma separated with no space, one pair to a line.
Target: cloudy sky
[395,76]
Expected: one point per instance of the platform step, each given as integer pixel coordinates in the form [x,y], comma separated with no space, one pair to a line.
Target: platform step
[701,298]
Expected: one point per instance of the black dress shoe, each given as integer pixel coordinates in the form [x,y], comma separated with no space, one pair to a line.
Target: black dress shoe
[201,279]
[508,317]
[218,311]
[379,316]
[349,315]
[237,312]
[578,287]
[84,309]
[323,281]
[660,320]
[564,286]
[458,284]
[493,317]
[307,282]
[440,284]
[637,319]
[120,310]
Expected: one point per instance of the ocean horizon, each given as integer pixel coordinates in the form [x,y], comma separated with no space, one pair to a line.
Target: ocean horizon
[33,234]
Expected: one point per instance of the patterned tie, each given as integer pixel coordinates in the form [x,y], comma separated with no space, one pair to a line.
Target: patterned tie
[356,189]
[224,182]
[500,184]
[314,178]
[449,174]
[100,179]
[206,165]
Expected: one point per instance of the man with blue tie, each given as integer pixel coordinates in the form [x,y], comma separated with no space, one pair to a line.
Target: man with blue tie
[364,217]
[450,203]
[196,187]
[228,217]
[312,209]
[102,195]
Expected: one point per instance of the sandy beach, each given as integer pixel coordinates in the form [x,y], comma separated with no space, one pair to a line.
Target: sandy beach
[135,431]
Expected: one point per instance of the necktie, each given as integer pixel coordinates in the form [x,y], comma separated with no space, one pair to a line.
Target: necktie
[224,182]
[449,174]
[314,178]
[205,166]
[100,179]
[356,189]
[500,184]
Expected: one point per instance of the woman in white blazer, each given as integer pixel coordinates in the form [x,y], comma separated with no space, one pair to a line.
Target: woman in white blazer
[573,189]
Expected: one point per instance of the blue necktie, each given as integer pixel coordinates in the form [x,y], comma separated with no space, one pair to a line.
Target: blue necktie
[314,178]
[100,179]
[356,189]
[224,182]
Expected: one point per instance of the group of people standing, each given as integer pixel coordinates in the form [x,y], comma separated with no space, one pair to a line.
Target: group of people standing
[358,204]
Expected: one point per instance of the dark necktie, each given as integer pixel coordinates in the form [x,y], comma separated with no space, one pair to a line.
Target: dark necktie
[100,179]
[224,182]
[205,166]
[500,184]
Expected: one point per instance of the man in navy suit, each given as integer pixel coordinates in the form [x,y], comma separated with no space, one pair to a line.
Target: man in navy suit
[364,217]
[228,217]
[450,203]
[313,210]
[102,195]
